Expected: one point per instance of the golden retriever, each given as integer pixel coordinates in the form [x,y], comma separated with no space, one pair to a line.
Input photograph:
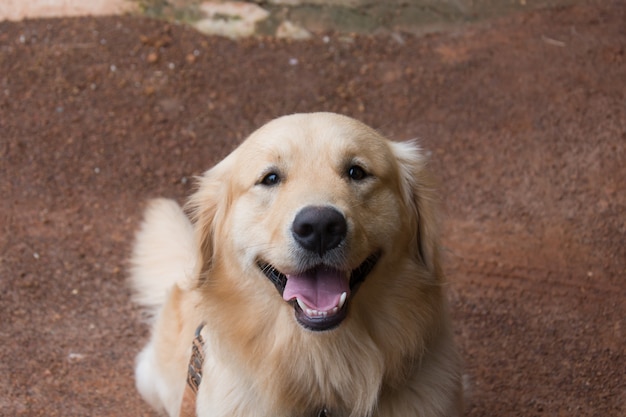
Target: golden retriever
[311,255]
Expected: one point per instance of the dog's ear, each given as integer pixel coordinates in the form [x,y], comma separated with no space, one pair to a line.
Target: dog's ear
[207,208]
[418,192]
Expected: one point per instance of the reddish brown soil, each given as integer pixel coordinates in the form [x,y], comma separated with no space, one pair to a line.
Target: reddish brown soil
[525,119]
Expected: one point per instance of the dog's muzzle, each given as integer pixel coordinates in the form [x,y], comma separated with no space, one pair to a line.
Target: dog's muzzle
[321,295]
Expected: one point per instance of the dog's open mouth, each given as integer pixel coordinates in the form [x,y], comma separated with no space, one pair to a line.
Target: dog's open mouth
[320,295]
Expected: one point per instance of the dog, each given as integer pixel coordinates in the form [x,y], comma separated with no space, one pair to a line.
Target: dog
[308,261]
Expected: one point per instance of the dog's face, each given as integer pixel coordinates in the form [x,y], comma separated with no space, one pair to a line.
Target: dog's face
[313,204]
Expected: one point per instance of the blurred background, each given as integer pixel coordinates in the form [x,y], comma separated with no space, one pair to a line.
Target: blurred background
[520,106]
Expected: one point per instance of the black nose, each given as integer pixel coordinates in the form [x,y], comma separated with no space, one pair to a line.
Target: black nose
[319,229]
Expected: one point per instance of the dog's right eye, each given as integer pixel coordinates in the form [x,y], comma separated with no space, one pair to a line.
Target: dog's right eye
[270,179]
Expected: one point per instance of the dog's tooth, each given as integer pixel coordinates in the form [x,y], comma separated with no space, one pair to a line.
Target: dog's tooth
[302,305]
[342,299]
[318,313]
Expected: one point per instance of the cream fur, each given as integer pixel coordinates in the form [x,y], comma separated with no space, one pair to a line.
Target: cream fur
[392,356]
[164,254]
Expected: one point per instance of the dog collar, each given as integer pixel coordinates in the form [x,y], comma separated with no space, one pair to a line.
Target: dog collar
[194,375]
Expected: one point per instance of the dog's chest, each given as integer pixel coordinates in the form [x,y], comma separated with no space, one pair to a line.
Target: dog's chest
[276,389]
[229,406]
[223,393]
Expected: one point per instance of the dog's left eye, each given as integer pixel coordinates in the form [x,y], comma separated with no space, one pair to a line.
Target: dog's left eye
[356,173]
[270,179]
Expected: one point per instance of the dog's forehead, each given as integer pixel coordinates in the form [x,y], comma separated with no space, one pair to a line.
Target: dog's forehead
[313,136]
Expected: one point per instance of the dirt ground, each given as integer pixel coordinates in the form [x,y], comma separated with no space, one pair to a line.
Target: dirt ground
[525,121]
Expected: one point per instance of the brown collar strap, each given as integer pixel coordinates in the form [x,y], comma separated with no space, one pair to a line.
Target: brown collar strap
[194,375]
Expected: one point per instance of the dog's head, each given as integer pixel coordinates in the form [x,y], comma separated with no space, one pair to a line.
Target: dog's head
[311,207]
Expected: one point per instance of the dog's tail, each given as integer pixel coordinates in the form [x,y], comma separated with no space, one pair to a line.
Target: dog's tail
[164,255]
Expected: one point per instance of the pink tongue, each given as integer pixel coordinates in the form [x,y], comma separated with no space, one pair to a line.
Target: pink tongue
[319,288]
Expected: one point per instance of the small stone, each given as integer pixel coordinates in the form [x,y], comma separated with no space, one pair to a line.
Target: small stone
[152,58]
[290,30]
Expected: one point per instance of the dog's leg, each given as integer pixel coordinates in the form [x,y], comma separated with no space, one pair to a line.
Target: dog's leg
[434,390]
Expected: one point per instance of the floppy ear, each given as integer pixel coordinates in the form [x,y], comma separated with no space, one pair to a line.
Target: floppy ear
[207,208]
[418,192]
